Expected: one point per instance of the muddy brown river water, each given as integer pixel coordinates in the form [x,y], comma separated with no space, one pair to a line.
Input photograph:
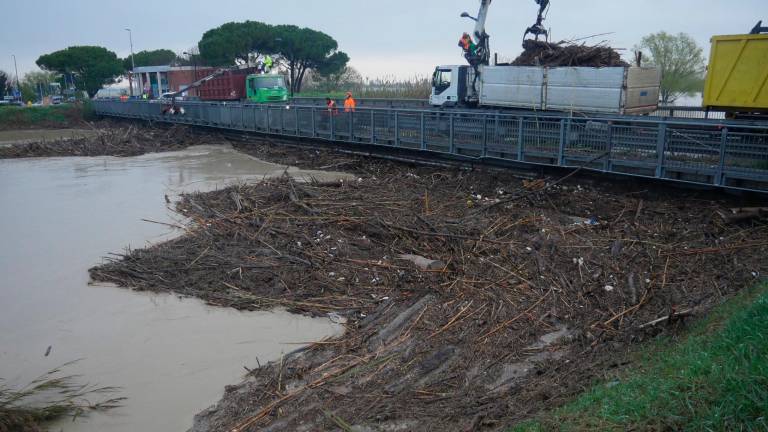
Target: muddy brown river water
[171,356]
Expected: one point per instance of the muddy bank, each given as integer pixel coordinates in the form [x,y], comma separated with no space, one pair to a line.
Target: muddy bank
[472,300]
[108,139]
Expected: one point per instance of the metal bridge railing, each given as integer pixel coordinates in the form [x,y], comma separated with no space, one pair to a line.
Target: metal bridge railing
[726,154]
[666,111]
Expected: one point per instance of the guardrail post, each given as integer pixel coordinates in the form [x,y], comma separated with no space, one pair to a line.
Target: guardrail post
[452,144]
[397,129]
[720,179]
[314,124]
[484,151]
[351,126]
[298,130]
[563,134]
[282,121]
[520,149]
[268,128]
[333,124]
[373,127]
[661,146]
[609,150]
[423,126]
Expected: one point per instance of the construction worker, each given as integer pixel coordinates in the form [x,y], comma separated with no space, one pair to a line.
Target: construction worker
[467,44]
[349,103]
[332,108]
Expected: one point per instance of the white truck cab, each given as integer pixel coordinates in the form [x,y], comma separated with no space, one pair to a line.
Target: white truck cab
[449,86]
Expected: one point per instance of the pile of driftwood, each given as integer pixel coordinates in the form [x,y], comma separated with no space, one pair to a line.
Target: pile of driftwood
[463,293]
[111,139]
[541,53]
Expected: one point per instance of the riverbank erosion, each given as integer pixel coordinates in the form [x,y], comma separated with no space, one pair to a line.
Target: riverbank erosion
[471,299]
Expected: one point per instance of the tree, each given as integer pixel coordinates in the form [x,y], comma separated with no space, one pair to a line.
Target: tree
[93,66]
[681,61]
[160,57]
[3,83]
[298,49]
[237,43]
[347,79]
[36,82]
[304,49]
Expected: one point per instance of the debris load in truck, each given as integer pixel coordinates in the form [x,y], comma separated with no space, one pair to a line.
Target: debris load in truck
[540,53]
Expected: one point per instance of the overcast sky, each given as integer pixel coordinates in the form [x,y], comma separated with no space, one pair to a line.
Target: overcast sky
[383,38]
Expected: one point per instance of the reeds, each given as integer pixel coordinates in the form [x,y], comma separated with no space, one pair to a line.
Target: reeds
[50,397]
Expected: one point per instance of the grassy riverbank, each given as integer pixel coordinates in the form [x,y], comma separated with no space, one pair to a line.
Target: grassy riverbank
[714,378]
[55,116]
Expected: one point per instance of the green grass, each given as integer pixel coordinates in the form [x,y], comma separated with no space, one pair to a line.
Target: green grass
[13,117]
[714,379]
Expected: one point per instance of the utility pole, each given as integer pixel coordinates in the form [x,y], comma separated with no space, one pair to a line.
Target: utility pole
[18,85]
[133,64]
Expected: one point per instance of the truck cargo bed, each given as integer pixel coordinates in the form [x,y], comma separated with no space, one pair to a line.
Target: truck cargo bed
[230,86]
[737,79]
[617,90]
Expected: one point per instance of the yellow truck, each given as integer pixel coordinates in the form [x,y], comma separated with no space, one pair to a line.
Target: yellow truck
[737,77]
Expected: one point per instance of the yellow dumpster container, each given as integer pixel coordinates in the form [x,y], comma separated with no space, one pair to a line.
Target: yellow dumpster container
[737,79]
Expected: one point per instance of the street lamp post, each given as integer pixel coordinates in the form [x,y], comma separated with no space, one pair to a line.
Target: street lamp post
[133,64]
[18,84]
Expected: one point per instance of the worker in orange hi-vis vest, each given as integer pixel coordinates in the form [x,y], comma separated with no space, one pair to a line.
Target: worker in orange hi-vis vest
[349,103]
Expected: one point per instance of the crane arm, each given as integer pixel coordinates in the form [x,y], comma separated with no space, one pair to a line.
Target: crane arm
[482,15]
[476,46]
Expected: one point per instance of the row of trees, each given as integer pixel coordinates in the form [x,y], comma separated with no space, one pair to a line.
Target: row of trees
[312,56]
[297,50]
[31,85]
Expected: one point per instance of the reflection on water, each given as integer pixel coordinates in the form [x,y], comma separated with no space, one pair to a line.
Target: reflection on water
[172,356]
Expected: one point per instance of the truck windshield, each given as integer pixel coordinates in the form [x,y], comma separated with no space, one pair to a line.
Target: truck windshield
[442,78]
[267,83]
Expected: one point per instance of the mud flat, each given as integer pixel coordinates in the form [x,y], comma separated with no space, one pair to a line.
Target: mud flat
[471,299]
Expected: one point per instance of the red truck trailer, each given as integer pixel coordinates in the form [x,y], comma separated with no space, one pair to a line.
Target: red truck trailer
[229,86]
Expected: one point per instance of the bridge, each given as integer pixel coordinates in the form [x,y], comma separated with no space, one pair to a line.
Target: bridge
[709,152]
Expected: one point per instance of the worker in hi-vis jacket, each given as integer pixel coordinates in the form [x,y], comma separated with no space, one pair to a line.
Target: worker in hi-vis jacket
[350,103]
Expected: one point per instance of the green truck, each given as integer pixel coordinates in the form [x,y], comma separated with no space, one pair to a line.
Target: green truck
[242,85]
[265,88]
